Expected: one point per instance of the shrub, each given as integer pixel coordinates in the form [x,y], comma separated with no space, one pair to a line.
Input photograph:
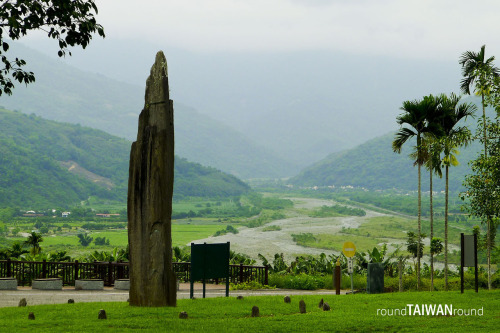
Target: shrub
[250,286]
[229,229]
[303,238]
[272,228]
[337,210]
[299,281]
[101,241]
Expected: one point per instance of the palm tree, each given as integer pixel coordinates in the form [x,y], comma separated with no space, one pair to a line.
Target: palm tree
[416,120]
[16,250]
[479,72]
[84,239]
[454,136]
[433,151]
[34,240]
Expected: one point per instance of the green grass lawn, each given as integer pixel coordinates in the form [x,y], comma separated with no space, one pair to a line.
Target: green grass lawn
[183,232]
[358,313]
[377,230]
[335,242]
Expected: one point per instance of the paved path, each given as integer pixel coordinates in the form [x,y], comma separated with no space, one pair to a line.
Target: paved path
[36,297]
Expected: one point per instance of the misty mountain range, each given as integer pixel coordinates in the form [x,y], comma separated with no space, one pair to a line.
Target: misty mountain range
[288,126]
[64,93]
[298,107]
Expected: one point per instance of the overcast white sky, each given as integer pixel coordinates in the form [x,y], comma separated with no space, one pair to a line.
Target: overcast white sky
[437,29]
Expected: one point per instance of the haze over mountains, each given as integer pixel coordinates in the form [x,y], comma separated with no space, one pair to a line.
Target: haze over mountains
[257,116]
[301,105]
[64,93]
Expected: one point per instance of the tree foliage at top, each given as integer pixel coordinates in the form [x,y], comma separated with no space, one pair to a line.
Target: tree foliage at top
[70,22]
[482,193]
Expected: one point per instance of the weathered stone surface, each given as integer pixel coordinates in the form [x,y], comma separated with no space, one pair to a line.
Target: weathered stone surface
[320,305]
[8,283]
[326,306]
[122,284]
[255,311]
[47,284]
[149,204]
[287,299]
[71,301]
[23,302]
[183,315]
[102,314]
[31,316]
[89,284]
[302,306]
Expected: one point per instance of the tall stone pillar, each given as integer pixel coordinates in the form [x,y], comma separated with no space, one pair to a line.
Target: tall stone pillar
[149,204]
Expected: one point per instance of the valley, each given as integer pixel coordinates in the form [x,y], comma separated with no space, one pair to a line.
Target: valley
[327,234]
[264,183]
[292,230]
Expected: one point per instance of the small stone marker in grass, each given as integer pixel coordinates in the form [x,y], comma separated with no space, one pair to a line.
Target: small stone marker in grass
[183,315]
[287,299]
[326,306]
[23,302]
[102,314]
[239,297]
[302,306]
[31,316]
[255,311]
[71,301]
[320,305]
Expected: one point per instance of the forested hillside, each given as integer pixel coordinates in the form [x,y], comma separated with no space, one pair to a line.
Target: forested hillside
[374,165]
[46,163]
[64,93]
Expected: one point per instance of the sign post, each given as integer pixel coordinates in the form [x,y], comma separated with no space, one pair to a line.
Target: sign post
[209,261]
[349,250]
[337,277]
[468,257]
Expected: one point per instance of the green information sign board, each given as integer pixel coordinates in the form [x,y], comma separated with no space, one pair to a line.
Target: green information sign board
[468,258]
[209,261]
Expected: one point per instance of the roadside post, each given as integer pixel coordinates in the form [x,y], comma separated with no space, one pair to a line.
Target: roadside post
[337,277]
[349,250]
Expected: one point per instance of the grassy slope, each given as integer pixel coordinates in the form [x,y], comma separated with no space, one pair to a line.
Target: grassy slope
[374,165]
[32,147]
[349,313]
[64,93]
